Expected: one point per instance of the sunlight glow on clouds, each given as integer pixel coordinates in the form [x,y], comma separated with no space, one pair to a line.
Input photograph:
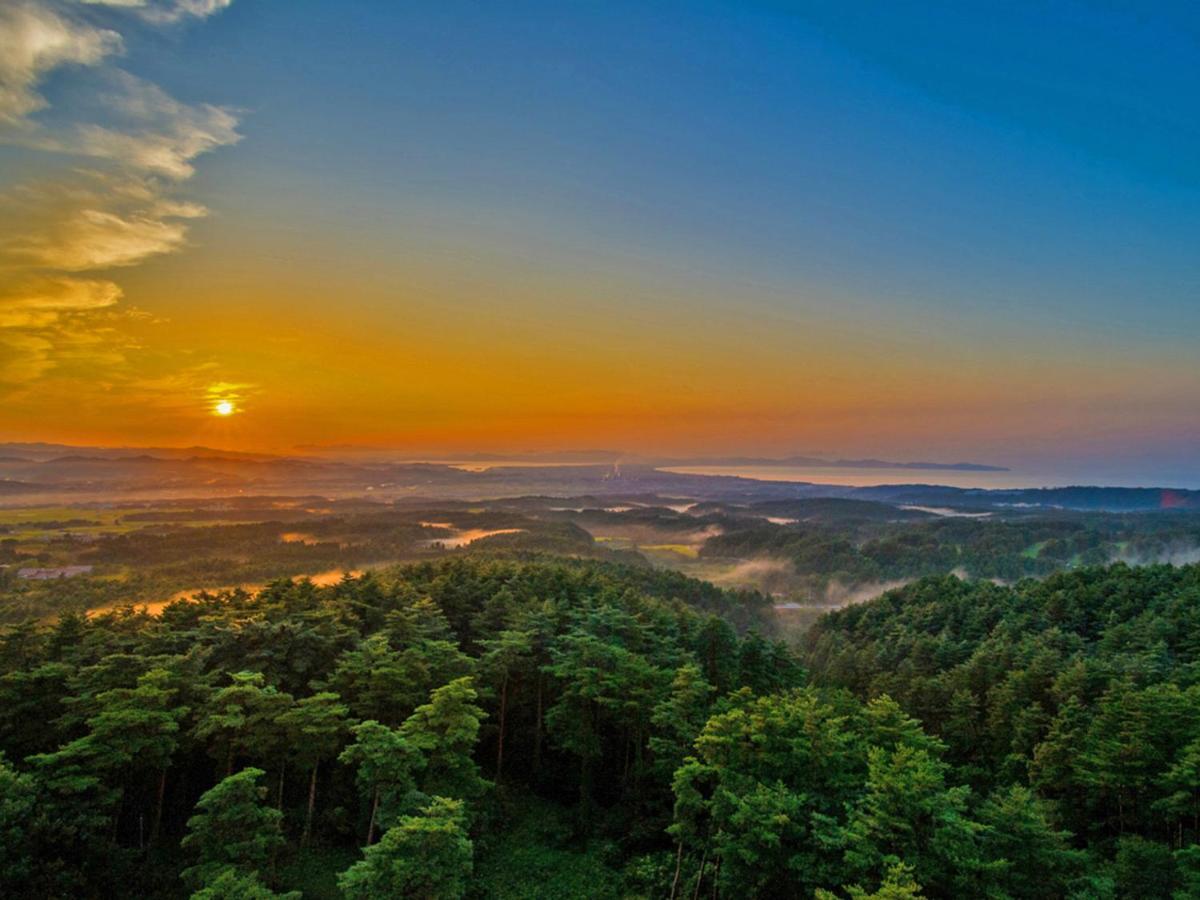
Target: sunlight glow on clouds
[94,227]
[39,302]
[139,145]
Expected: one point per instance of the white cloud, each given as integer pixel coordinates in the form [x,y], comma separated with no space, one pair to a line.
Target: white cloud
[167,11]
[34,40]
[161,135]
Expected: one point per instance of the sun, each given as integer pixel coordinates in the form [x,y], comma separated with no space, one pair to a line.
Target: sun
[223,408]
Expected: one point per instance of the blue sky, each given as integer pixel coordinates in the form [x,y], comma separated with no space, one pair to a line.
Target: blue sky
[1030,156]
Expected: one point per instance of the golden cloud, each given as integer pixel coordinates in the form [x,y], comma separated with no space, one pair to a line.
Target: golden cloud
[142,143]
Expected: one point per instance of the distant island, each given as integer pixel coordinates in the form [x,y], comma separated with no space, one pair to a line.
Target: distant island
[818,462]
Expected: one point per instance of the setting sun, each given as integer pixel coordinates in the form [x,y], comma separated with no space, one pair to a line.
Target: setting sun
[223,408]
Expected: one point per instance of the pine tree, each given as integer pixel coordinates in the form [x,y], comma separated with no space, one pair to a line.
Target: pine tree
[678,718]
[241,719]
[422,857]
[18,807]
[898,884]
[144,723]
[233,884]
[1036,860]
[505,658]
[385,762]
[445,731]
[315,726]
[233,827]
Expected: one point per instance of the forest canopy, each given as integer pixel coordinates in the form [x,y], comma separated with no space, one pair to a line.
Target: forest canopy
[490,726]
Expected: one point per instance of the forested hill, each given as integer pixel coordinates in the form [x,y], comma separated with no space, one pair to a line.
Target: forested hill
[242,743]
[1084,687]
[481,727]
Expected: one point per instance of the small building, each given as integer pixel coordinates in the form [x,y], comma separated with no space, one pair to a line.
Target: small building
[53,572]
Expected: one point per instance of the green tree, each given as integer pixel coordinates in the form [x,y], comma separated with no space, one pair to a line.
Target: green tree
[381,683]
[31,705]
[423,857]
[144,723]
[541,622]
[1187,865]
[241,719]
[385,763]
[603,684]
[233,884]
[315,726]
[898,884]
[1144,868]
[233,827]
[18,807]
[717,649]
[693,785]
[889,726]
[505,658]
[1035,859]
[1181,782]
[1131,739]
[133,730]
[418,619]
[74,789]
[678,718]
[908,813]
[766,667]
[445,731]
[771,779]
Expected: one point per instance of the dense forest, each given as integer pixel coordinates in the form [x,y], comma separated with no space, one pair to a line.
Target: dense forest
[1079,694]
[233,745]
[499,726]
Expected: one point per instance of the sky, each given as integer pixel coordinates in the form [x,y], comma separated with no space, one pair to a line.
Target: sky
[949,231]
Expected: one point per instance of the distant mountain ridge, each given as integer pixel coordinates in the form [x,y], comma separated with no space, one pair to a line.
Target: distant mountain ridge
[38,451]
[46,473]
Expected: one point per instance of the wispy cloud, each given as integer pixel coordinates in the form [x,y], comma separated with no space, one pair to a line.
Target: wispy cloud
[41,302]
[138,146]
[92,221]
[35,39]
[167,11]
[158,133]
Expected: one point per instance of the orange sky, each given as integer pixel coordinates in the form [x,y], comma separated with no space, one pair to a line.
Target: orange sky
[651,260]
